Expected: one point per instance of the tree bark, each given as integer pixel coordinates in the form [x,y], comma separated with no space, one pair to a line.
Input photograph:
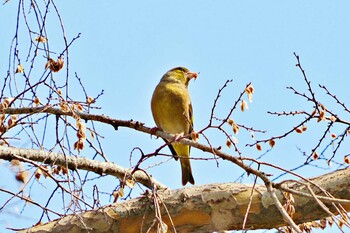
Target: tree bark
[207,208]
[76,163]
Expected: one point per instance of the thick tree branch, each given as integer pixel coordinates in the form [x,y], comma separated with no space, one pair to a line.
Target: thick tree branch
[206,208]
[75,163]
[139,127]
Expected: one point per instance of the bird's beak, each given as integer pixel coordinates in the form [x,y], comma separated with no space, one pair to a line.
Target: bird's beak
[192,75]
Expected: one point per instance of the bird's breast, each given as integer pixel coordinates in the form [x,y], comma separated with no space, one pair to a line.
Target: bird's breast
[170,108]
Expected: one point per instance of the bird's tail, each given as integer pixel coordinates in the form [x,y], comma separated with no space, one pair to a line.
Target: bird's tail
[186,171]
[183,152]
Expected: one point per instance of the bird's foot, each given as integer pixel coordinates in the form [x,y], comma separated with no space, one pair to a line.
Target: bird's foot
[178,136]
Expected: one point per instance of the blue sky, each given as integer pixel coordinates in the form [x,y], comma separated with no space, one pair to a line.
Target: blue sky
[125,48]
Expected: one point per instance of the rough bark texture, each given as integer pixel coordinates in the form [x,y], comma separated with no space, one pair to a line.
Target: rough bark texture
[205,208]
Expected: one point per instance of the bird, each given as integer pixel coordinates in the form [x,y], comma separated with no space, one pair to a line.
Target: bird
[172,112]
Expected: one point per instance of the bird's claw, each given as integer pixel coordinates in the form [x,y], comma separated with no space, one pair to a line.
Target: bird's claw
[178,136]
[154,130]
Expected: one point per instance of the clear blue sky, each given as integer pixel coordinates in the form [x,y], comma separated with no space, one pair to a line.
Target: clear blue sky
[125,48]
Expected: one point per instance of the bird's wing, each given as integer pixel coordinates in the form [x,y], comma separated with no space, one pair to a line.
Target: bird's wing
[190,129]
[172,150]
[190,115]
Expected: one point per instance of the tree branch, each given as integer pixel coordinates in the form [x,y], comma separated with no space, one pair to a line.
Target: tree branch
[75,163]
[207,208]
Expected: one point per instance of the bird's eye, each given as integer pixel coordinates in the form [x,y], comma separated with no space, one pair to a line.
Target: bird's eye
[179,69]
[182,69]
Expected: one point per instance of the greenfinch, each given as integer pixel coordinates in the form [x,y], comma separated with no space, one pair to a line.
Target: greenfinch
[172,113]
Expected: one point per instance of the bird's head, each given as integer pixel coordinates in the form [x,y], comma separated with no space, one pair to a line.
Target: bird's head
[180,74]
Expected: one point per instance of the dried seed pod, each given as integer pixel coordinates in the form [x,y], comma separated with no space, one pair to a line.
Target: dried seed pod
[322,116]
[249,90]
[64,170]
[130,183]
[346,159]
[19,69]
[303,128]
[230,122]
[234,140]
[235,128]
[333,118]
[228,143]
[53,65]
[244,105]
[90,100]
[12,121]
[298,130]
[258,147]
[41,39]
[79,107]
[36,101]
[22,176]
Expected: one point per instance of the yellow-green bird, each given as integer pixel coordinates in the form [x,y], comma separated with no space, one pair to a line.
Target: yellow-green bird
[172,112]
